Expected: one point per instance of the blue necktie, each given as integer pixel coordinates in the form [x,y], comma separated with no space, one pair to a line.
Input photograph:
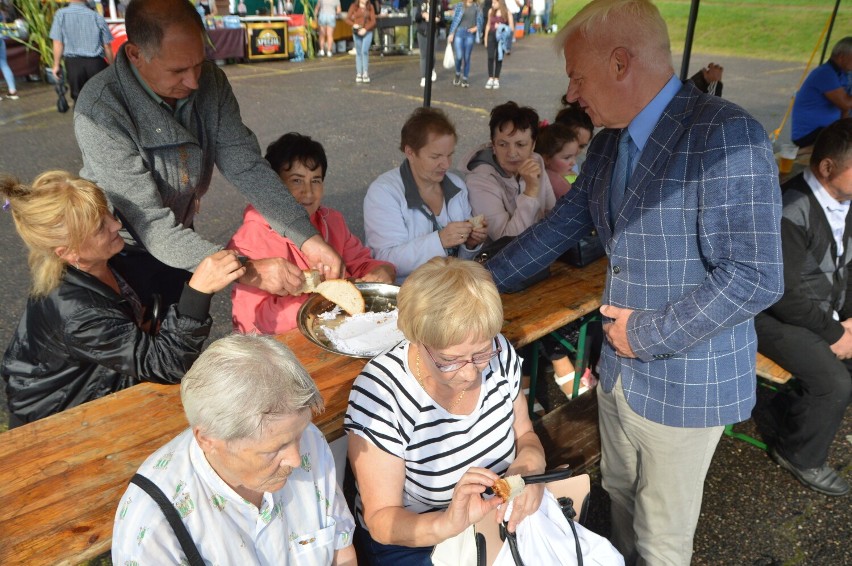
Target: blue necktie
[621,174]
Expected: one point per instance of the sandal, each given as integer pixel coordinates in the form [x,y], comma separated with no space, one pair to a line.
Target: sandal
[587,382]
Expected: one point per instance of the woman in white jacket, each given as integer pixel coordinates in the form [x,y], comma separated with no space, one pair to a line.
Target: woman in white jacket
[420,210]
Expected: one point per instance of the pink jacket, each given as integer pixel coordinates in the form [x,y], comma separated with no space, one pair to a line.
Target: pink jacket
[258,311]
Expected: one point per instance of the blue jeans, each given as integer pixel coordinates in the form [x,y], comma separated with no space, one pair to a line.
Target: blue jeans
[362,52]
[463,47]
[4,66]
[378,554]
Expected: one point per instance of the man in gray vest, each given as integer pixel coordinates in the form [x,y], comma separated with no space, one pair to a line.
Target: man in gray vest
[809,331]
[152,127]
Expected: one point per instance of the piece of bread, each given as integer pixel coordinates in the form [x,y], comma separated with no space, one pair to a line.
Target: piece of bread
[312,279]
[508,488]
[343,293]
[477,221]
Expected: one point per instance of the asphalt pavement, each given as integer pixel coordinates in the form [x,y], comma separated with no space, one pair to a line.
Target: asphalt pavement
[754,513]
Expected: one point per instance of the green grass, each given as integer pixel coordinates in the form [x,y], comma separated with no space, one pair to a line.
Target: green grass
[786,30]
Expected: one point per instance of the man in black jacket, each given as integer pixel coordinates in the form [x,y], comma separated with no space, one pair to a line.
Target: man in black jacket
[809,331]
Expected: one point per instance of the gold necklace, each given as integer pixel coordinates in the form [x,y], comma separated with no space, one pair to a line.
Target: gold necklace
[423,385]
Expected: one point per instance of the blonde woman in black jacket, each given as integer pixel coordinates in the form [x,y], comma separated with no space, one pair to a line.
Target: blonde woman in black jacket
[81,335]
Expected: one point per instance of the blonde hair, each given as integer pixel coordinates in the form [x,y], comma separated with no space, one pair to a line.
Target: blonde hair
[634,24]
[447,300]
[58,209]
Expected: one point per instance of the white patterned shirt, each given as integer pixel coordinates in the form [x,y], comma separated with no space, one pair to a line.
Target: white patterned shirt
[389,408]
[301,524]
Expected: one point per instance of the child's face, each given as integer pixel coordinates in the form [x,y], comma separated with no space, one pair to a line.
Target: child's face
[305,185]
[584,136]
[563,161]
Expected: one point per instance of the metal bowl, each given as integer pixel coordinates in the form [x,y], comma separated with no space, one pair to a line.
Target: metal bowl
[378,297]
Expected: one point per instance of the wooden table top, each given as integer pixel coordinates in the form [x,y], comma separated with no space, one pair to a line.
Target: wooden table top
[61,477]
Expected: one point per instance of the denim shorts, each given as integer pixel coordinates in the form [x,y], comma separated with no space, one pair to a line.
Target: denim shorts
[327,20]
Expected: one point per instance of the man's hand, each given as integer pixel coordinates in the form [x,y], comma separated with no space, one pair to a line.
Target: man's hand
[843,347]
[323,258]
[616,331]
[274,275]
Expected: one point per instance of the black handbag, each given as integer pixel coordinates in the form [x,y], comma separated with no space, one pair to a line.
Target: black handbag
[584,252]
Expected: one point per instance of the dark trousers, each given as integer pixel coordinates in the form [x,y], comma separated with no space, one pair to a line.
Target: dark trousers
[80,70]
[807,419]
[148,276]
[374,553]
[494,64]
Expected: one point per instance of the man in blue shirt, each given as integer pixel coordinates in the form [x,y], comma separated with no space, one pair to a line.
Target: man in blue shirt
[825,96]
[81,36]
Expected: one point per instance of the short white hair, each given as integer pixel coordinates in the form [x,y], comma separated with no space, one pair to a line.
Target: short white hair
[634,24]
[240,381]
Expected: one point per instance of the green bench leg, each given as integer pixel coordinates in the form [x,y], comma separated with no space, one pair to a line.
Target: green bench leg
[729,430]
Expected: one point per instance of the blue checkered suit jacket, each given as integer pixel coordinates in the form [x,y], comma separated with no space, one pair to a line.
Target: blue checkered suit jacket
[695,250]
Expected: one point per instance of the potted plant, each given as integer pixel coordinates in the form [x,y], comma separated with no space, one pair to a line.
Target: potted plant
[38,15]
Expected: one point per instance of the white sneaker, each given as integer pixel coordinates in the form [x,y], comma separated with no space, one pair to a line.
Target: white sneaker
[328,53]
[359,78]
[490,83]
[321,53]
[366,78]
[434,76]
[11,96]
[352,51]
[422,82]
[496,84]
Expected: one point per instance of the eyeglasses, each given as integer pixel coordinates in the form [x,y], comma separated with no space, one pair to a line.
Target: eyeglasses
[477,360]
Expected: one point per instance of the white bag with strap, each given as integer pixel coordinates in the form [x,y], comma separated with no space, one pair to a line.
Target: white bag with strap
[449,57]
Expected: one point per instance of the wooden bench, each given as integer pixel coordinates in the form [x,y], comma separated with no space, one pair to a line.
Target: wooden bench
[61,477]
[772,374]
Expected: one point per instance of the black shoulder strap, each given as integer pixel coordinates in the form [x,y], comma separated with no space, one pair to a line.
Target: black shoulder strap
[183,536]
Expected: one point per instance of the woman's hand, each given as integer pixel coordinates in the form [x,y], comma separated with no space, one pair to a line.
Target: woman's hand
[451,37]
[362,32]
[217,271]
[477,235]
[530,172]
[382,274]
[523,505]
[455,233]
[467,506]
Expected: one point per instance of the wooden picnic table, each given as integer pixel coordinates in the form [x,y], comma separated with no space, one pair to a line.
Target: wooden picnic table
[61,477]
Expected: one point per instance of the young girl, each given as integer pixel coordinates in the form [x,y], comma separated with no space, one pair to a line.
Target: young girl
[301,162]
[558,145]
[498,40]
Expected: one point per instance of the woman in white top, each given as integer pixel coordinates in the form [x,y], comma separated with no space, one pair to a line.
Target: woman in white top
[438,418]
[419,210]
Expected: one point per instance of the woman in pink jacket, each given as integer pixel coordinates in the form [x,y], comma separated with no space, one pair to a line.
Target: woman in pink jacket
[301,162]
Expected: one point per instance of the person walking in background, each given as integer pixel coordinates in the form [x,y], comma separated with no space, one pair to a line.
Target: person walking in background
[8,75]
[809,331]
[682,188]
[82,37]
[465,29]
[362,18]
[825,96]
[421,18]
[498,40]
[709,79]
[327,11]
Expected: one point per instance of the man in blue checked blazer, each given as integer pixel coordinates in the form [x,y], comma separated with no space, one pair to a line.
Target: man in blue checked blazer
[683,190]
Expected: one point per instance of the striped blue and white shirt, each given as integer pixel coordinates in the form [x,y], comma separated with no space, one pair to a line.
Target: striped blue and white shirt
[82,32]
[389,408]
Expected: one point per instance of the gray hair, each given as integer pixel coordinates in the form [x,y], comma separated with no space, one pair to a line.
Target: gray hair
[842,47]
[240,381]
[634,24]
[146,22]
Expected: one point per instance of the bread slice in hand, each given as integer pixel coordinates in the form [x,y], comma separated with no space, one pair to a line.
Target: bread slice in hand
[477,220]
[343,293]
[312,279]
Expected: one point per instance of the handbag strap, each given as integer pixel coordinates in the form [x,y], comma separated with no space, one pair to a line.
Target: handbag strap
[183,536]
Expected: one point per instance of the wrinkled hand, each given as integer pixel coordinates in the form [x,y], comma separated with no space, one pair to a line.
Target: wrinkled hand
[523,506]
[382,274]
[530,172]
[455,233]
[217,271]
[323,258]
[616,330]
[477,235]
[843,347]
[467,506]
[274,275]
[712,72]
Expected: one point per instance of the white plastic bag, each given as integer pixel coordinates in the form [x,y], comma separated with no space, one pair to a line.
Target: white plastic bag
[449,57]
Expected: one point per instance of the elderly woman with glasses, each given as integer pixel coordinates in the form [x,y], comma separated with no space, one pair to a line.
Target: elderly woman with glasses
[438,418]
[252,481]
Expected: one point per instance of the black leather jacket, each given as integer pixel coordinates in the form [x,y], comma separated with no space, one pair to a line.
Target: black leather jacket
[81,342]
